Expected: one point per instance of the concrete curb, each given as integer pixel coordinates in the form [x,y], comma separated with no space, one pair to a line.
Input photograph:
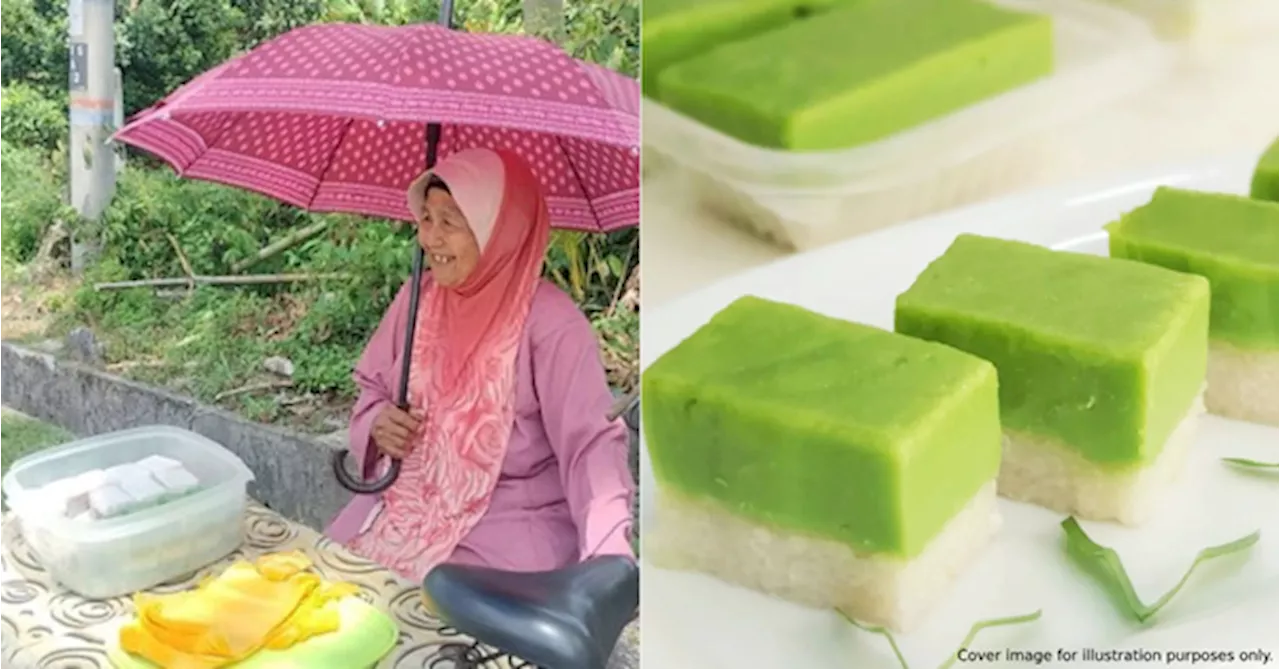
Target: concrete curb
[292,471]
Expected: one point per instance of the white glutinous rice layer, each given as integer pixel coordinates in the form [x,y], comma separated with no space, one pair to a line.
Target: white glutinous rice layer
[1043,471]
[1243,384]
[703,536]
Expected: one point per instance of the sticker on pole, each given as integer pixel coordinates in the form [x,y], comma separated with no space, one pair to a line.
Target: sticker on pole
[79,66]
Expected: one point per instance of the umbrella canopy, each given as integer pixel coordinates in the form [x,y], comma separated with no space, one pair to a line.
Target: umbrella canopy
[342,118]
[334,118]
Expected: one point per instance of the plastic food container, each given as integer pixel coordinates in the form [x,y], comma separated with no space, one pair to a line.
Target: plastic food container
[1205,22]
[802,200]
[121,555]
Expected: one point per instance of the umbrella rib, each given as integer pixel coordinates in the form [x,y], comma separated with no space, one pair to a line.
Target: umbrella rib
[211,143]
[237,119]
[346,129]
[582,183]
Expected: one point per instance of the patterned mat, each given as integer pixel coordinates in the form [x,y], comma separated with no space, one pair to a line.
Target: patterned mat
[46,627]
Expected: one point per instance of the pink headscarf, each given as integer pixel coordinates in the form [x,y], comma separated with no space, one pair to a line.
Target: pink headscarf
[463,376]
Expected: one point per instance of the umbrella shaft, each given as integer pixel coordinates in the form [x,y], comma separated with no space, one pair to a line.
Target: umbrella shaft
[410,326]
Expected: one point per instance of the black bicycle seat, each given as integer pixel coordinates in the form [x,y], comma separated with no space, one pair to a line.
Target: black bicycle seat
[564,619]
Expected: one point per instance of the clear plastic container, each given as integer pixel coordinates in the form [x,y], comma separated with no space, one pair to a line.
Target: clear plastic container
[139,550]
[1207,22]
[803,200]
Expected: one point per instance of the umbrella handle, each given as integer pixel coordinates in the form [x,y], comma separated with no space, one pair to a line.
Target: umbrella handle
[626,407]
[350,482]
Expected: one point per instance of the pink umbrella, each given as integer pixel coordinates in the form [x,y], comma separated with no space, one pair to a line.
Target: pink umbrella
[335,118]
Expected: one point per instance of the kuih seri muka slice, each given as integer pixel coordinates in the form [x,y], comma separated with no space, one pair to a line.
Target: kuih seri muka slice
[1101,365]
[828,463]
[1266,174]
[1233,242]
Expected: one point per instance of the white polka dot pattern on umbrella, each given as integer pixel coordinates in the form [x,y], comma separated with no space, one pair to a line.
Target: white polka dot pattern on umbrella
[334,118]
[411,73]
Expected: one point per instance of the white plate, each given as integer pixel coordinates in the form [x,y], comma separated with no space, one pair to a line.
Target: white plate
[695,621]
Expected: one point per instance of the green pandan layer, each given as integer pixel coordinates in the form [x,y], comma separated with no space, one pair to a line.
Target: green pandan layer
[1266,176]
[822,426]
[675,30]
[1230,240]
[1103,355]
[855,74]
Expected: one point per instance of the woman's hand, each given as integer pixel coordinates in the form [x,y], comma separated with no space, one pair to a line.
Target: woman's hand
[395,429]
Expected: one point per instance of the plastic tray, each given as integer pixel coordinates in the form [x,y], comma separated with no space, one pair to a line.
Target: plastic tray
[117,556]
[802,200]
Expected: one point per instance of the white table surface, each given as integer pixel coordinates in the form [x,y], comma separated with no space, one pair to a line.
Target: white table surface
[1219,100]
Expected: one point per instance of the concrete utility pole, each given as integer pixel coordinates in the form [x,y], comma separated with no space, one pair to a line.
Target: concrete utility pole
[544,17]
[117,117]
[93,91]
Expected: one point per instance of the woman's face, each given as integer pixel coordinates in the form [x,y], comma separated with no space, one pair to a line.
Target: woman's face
[446,237]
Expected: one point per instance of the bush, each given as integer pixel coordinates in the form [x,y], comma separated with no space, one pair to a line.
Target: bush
[33,44]
[164,43]
[31,199]
[215,225]
[29,119]
[605,32]
[268,18]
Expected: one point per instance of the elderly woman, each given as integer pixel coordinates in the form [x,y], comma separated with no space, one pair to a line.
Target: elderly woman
[508,459]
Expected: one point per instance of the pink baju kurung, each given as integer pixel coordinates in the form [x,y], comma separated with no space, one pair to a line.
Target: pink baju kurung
[564,491]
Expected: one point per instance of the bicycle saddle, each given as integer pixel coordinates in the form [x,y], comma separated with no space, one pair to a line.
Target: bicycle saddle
[564,619]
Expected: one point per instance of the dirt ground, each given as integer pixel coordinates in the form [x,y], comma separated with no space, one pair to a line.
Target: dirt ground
[25,308]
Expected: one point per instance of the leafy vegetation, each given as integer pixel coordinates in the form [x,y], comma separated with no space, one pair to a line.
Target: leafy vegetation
[30,118]
[30,199]
[211,342]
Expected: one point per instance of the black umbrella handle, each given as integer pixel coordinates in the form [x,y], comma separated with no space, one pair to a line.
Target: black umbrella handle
[350,482]
[345,478]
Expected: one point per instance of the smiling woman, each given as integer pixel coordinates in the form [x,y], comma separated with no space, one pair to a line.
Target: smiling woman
[444,233]
[509,457]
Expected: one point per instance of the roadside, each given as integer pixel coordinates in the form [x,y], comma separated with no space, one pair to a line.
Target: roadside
[22,316]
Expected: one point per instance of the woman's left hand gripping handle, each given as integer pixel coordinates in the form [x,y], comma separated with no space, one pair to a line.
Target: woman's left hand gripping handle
[395,430]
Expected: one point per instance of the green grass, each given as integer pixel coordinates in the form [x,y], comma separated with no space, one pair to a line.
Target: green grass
[22,435]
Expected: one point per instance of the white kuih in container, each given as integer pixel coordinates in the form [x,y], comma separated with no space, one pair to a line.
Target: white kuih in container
[806,199]
[138,550]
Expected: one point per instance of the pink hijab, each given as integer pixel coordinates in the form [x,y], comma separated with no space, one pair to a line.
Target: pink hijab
[463,376]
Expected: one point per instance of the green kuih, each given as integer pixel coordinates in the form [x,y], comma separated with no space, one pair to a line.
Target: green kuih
[1266,176]
[829,463]
[675,30]
[1233,242]
[859,73]
[1101,365]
